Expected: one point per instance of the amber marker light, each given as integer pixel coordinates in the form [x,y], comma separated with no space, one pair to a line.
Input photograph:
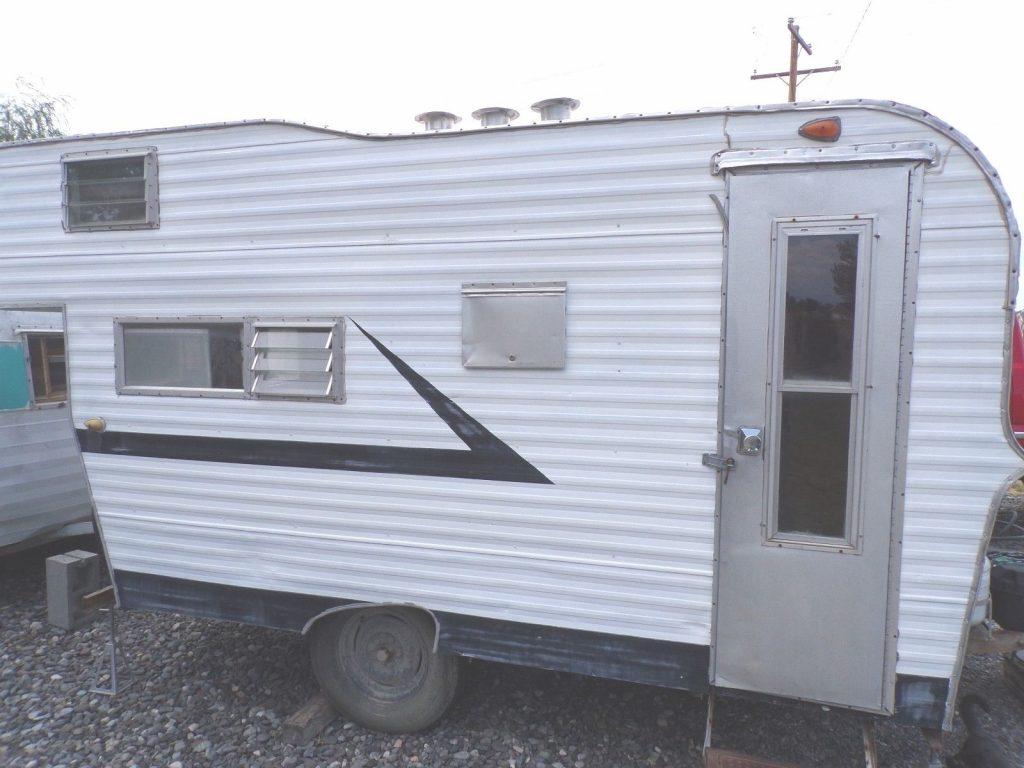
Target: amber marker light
[823,129]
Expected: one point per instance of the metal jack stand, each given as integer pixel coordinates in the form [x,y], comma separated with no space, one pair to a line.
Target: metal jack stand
[110,656]
[934,739]
[867,730]
[708,725]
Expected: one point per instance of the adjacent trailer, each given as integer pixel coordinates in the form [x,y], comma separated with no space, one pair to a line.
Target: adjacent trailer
[705,399]
[43,491]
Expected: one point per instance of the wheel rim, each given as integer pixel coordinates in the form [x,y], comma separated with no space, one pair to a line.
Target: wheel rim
[382,653]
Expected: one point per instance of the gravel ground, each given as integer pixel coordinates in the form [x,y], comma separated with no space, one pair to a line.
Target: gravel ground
[208,693]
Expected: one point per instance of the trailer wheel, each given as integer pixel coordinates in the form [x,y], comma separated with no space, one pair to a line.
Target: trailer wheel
[378,668]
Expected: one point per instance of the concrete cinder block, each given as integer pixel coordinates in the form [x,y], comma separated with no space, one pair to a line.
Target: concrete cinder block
[69,578]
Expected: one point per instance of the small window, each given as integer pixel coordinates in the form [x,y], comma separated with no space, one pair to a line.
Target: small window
[297,359]
[110,190]
[48,366]
[181,358]
[513,325]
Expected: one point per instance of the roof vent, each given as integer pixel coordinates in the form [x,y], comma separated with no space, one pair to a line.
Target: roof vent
[489,116]
[555,109]
[437,121]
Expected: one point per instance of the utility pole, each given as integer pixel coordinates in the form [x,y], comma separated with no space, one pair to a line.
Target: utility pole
[796,42]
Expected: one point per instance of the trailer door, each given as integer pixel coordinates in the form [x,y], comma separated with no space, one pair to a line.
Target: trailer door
[813,323]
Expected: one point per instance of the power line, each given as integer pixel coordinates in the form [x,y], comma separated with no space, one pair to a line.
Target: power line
[867,7]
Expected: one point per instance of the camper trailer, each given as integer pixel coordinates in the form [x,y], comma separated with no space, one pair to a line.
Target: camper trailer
[710,401]
[43,493]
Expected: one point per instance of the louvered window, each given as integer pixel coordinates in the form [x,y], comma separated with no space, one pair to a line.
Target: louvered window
[297,360]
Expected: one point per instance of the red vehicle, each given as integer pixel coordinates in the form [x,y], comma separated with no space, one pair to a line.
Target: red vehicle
[1017,382]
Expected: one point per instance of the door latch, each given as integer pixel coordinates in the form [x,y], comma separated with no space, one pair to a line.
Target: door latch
[718,463]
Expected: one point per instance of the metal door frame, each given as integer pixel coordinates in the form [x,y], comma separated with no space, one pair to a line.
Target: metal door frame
[911,257]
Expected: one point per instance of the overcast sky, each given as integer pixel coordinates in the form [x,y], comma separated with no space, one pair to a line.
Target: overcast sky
[373,66]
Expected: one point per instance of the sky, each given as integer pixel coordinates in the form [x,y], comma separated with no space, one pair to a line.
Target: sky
[374,66]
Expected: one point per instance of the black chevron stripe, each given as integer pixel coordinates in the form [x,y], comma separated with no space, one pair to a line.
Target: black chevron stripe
[488,457]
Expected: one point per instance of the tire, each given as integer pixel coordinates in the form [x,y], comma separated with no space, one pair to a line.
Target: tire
[377,666]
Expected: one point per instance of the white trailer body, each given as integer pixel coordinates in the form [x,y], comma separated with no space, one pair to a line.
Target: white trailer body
[43,491]
[536,345]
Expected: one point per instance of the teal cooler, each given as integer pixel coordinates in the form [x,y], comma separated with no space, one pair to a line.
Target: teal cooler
[14,392]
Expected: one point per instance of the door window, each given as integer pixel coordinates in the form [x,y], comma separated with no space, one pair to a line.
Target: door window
[817,382]
[814,463]
[821,294]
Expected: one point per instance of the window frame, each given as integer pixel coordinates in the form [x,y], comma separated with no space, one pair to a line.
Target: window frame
[123,388]
[151,186]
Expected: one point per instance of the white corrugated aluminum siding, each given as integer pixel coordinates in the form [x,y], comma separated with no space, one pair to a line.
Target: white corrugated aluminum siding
[42,483]
[277,220]
[959,458]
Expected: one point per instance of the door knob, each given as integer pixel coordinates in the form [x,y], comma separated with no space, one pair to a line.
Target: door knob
[749,440]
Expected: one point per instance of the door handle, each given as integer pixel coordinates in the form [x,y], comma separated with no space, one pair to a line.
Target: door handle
[749,440]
